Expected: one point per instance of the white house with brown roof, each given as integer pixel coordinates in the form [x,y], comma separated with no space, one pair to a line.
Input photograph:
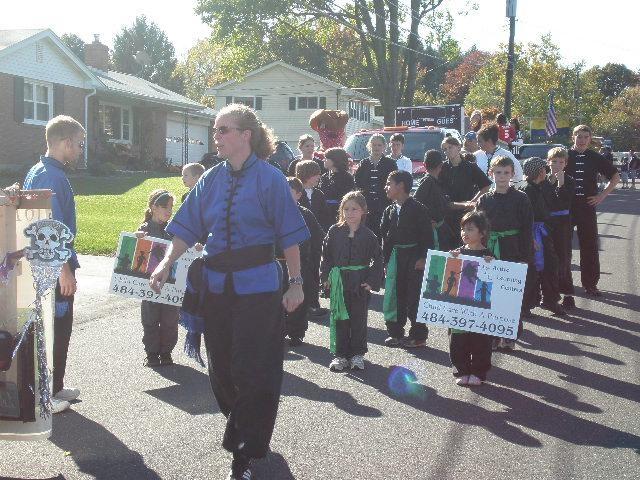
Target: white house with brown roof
[285,96]
[123,114]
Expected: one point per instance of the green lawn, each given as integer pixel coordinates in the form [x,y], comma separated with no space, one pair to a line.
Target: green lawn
[107,206]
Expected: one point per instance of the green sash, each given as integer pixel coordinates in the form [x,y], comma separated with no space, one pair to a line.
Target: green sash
[336,300]
[436,238]
[493,243]
[390,302]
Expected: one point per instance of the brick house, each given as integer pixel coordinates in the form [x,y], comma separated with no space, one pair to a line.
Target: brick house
[125,116]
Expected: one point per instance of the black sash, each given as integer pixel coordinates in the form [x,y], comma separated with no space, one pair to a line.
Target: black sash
[241,258]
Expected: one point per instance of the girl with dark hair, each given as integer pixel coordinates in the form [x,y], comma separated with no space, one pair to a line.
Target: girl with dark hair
[159,321]
[335,183]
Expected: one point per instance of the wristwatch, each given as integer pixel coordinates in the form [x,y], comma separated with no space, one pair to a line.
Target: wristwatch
[296,280]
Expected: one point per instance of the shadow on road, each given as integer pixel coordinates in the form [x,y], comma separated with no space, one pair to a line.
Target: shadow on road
[96,451]
[272,466]
[191,394]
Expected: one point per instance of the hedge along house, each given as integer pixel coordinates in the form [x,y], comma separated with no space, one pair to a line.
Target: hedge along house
[285,96]
[128,120]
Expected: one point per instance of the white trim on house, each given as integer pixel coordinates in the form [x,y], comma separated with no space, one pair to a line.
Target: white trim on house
[34,99]
[123,109]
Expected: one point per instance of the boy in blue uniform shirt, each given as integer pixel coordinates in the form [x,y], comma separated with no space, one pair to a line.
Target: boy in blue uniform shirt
[65,144]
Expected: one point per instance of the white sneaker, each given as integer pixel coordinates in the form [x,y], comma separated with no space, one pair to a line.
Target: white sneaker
[68,394]
[357,362]
[58,406]
[338,364]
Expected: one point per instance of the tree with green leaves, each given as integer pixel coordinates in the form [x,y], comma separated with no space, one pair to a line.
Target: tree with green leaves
[75,44]
[144,50]
[538,73]
[612,79]
[621,121]
[388,34]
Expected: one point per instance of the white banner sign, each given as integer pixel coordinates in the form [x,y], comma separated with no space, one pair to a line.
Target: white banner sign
[471,294]
[137,258]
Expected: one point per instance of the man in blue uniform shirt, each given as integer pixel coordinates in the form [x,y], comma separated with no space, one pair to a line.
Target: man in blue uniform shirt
[65,144]
[243,207]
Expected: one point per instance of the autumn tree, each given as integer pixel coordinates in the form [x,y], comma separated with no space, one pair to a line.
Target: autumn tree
[144,50]
[458,80]
[612,79]
[621,121]
[387,32]
[538,73]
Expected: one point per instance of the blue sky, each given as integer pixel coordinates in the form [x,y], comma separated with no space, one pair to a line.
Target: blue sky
[609,33]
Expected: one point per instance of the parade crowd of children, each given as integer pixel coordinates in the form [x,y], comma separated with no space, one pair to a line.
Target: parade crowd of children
[371,230]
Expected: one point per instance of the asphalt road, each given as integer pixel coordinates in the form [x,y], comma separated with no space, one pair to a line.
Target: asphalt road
[564,405]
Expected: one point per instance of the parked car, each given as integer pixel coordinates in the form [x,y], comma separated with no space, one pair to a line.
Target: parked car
[528,150]
[417,140]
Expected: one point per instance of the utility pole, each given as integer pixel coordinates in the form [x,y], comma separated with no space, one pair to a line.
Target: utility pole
[511,61]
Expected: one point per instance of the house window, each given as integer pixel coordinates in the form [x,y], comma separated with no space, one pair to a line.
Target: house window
[253,102]
[115,122]
[38,102]
[312,103]
[359,111]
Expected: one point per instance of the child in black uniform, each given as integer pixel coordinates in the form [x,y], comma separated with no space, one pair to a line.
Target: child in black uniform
[312,198]
[351,267]
[509,213]
[159,321]
[296,322]
[559,189]
[470,352]
[335,183]
[545,261]
[406,234]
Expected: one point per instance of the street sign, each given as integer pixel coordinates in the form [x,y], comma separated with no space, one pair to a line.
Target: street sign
[512,6]
[443,116]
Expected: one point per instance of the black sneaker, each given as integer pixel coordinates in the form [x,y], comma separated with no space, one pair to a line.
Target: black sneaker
[554,308]
[152,361]
[240,469]
[593,292]
[295,342]
[568,302]
[165,359]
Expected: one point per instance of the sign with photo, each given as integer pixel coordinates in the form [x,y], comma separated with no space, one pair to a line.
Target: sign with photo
[468,293]
[137,258]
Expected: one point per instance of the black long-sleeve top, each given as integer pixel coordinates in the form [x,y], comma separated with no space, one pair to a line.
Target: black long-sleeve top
[413,225]
[559,198]
[534,192]
[430,194]
[363,249]
[371,180]
[310,249]
[335,185]
[155,229]
[584,168]
[508,211]
[317,204]
[463,182]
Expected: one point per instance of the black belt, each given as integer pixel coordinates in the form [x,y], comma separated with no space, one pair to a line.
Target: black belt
[241,259]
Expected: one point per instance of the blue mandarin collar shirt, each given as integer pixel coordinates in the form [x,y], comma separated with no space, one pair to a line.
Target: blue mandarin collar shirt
[237,209]
[49,174]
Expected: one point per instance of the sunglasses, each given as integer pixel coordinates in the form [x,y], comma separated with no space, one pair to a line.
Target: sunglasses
[225,130]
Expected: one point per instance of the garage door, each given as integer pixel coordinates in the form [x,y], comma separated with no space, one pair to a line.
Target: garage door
[198,139]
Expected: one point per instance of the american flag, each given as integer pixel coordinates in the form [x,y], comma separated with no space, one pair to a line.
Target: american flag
[552,126]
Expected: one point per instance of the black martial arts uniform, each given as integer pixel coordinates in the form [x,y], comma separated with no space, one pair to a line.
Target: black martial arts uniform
[559,201]
[510,211]
[339,250]
[470,352]
[371,180]
[335,185]
[410,226]
[431,195]
[584,168]
[460,184]
[318,206]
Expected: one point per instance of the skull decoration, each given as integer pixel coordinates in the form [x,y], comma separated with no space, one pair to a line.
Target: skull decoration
[48,241]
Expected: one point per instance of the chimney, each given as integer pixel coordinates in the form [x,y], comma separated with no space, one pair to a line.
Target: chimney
[96,54]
